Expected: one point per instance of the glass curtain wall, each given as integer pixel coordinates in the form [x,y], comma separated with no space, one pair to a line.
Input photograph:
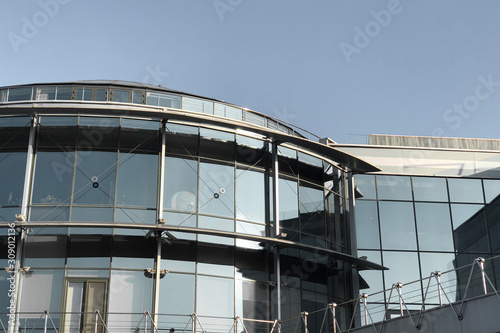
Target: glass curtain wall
[93,170]
[417,225]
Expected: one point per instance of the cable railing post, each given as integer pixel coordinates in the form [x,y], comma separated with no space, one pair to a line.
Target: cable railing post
[437,274]
[333,307]
[46,314]
[481,261]
[96,318]
[365,304]
[399,286]
[304,317]
[145,322]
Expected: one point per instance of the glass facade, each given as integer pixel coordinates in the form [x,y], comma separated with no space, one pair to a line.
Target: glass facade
[419,224]
[131,213]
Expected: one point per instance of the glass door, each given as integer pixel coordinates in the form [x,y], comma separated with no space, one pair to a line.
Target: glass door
[83,298]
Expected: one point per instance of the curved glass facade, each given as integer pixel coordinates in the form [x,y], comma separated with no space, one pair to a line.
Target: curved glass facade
[125,212]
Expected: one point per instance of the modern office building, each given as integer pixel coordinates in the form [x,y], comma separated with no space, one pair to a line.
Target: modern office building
[435,206]
[158,207]
[125,198]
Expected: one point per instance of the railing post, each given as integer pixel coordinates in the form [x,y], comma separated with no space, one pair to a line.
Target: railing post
[481,261]
[334,305]
[437,274]
[96,318]
[146,321]
[304,317]
[365,303]
[399,286]
[46,314]
[193,323]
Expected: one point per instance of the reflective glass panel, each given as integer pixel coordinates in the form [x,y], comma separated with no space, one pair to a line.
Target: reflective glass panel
[403,268]
[122,96]
[53,178]
[216,184]
[288,203]
[198,105]
[465,190]
[443,262]
[180,188]
[373,278]
[366,184]
[493,217]
[367,230]
[129,296]
[434,227]
[12,167]
[64,93]
[250,195]
[41,292]
[95,177]
[45,93]
[429,189]
[312,217]
[19,94]
[469,223]
[215,296]
[492,191]
[137,188]
[177,293]
[394,187]
[397,226]
[139,216]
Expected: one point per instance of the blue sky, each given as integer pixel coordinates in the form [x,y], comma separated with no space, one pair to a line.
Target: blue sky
[336,68]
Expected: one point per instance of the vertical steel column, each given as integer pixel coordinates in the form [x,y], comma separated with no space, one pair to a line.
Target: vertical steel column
[277,265]
[24,212]
[159,215]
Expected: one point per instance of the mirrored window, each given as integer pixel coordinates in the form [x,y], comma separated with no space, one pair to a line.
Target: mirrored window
[177,294]
[12,168]
[430,189]
[214,296]
[95,178]
[216,189]
[53,178]
[312,211]
[465,190]
[250,195]
[19,94]
[137,188]
[470,232]
[366,185]
[492,191]
[367,230]
[181,183]
[403,268]
[397,225]
[394,187]
[434,227]
[288,204]
[45,93]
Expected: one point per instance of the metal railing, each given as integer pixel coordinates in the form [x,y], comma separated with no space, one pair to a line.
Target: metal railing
[447,289]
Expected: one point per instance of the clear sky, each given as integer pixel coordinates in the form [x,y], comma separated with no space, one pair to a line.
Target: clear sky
[337,68]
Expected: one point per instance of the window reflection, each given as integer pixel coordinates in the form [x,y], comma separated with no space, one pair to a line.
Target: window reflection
[434,227]
[215,296]
[95,176]
[250,195]
[53,178]
[465,190]
[429,189]
[397,226]
[12,167]
[367,230]
[216,194]
[394,187]
[137,188]
[180,184]
[288,204]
